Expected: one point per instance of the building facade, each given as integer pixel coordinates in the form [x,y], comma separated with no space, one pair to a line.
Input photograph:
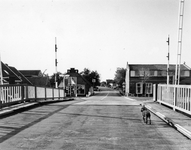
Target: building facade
[141,77]
[77,85]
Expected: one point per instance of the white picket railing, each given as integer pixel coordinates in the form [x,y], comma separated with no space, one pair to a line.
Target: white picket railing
[19,93]
[176,96]
[10,94]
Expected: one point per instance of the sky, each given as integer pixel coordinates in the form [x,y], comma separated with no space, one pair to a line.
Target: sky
[101,35]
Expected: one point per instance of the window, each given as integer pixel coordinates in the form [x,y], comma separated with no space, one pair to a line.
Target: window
[159,73]
[81,89]
[139,88]
[137,73]
[164,73]
[185,73]
[132,73]
[155,73]
[148,88]
[151,73]
[141,73]
[68,90]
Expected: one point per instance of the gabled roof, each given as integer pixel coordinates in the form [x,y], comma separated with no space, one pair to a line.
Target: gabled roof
[20,75]
[157,67]
[80,79]
[9,71]
[40,81]
[31,73]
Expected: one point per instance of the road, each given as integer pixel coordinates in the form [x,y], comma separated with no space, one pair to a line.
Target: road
[101,122]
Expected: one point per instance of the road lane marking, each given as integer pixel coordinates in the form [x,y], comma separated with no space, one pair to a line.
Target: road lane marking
[129,98]
[105,96]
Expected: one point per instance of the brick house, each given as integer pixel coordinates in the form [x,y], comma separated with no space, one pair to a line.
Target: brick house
[141,77]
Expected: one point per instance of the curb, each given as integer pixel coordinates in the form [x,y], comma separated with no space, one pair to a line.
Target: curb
[44,102]
[14,109]
[169,121]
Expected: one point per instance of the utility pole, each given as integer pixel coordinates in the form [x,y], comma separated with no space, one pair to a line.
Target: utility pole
[168,56]
[179,49]
[56,62]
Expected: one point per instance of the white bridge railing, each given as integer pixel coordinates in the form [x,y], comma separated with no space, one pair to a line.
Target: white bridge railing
[10,94]
[176,96]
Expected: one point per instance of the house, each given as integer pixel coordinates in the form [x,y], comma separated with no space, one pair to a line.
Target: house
[109,82]
[31,73]
[141,77]
[76,84]
[36,77]
[13,76]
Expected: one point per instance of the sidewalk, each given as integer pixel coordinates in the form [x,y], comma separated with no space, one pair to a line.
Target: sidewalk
[179,121]
[11,109]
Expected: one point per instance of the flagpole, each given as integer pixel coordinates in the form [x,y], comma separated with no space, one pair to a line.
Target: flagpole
[1,72]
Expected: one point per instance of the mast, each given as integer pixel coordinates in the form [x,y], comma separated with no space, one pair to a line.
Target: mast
[179,49]
[56,62]
[168,56]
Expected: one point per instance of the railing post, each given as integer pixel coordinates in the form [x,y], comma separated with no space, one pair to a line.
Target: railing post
[35,90]
[45,92]
[155,87]
[58,93]
[175,96]
[53,93]
[27,93]
[22,93]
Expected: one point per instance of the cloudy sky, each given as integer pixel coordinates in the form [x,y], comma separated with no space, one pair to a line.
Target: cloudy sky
[100,35]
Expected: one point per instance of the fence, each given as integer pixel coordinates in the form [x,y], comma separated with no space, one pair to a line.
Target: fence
[176,96]
[10,94]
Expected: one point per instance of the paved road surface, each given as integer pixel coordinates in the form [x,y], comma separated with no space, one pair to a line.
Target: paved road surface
[101,122]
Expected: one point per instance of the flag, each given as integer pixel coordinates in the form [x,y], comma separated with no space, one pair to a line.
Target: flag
[72,81]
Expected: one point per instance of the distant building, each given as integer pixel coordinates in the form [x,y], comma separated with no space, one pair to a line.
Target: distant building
[76,84]
[103,83]
[109,82]
[31,73]
[36,77]
[141,77]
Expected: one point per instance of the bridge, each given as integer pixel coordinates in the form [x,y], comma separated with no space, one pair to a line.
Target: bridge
[104,120]
[15,94]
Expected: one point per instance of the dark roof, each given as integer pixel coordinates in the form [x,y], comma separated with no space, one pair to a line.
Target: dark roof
[31,73]
[8,72]
[157,67]
[20,75]
[80,77]
[40,81]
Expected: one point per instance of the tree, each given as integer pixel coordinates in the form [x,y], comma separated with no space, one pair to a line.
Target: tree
[145,75]
[120,76]
[90,75]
